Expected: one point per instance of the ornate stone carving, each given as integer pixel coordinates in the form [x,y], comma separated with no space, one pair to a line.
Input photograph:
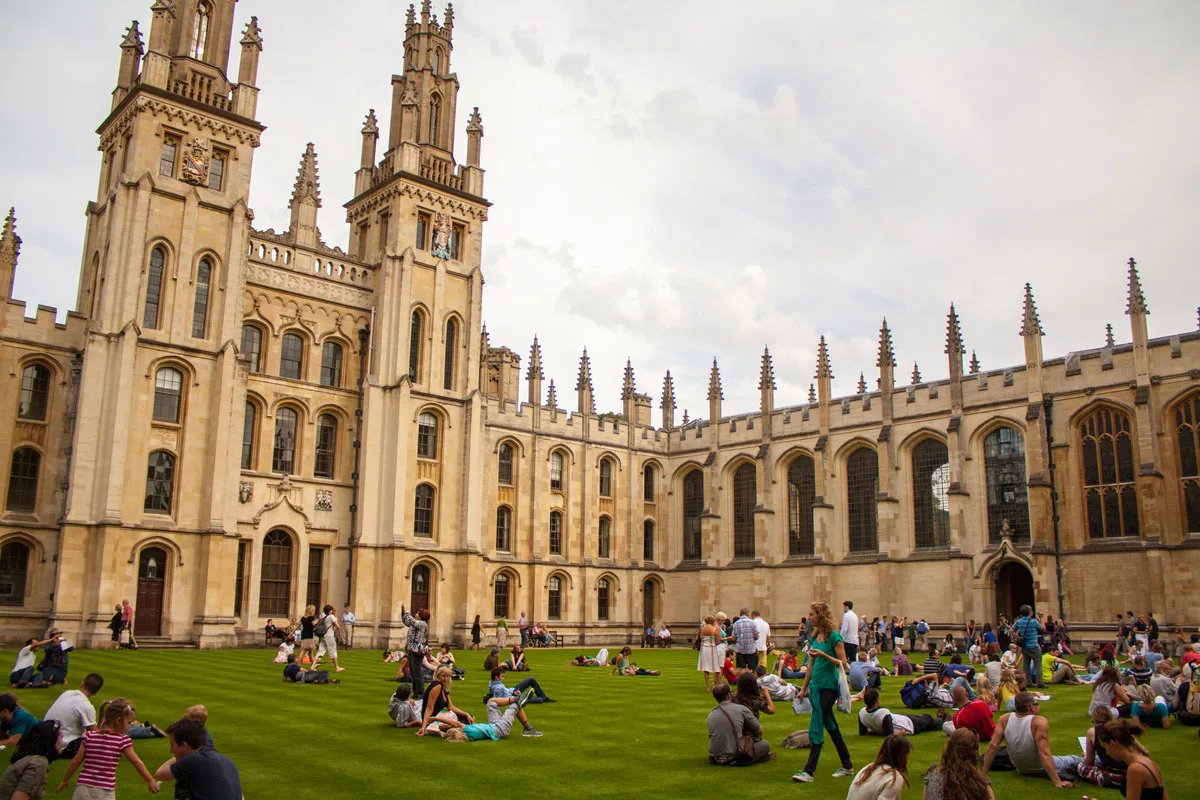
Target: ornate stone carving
[442,229]
[194,168]
[324,500]
[245,492]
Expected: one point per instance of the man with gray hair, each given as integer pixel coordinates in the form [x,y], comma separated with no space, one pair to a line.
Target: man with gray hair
[745,637]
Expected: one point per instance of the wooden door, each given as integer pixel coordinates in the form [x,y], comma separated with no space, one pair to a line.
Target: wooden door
[648,604]
[420,588]
[152,567]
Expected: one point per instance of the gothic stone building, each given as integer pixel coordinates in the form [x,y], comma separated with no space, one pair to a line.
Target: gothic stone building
[235,423]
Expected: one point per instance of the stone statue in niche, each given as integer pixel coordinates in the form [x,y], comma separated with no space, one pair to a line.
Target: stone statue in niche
[324,500]
[441,235]
[245,492]
[195,162]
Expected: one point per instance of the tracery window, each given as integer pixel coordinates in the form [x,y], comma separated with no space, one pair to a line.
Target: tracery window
[200,31]
[14,571]
[862,484]
[802,492]
[435,116]
[35,392]
[931,499]
[275,585]
[1007,490]
[1108,474]
[693,507]
[283,456]
[154,280]
[291,357]
[745,497]
[200,305]
[1187,428]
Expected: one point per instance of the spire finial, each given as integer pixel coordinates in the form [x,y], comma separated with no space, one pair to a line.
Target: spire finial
[1109,341]
[411,19]
[475,121]
[1137,300]
[766,375]
[954,341]
[812,393]
[824,369]
[552,396]
[10,242]
[371,124]
[308,186]
[714,383]
[449,15]
[685,417]
[627,385]
[862,383]
[668,393]
[974,366]
[252,36]
[585,373]
[916,376]
[535,362]
[133,39]
[1030,324]
[887,356]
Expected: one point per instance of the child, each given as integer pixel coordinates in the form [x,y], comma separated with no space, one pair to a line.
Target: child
[402,709]
[498,724]
[1009,688]
[199,715]
[983,691]
[100,752]
[285,650]
[728,672]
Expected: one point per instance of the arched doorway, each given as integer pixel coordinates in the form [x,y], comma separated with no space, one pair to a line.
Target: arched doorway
[152,570]
[649,603]
[1014,588]
[420,588]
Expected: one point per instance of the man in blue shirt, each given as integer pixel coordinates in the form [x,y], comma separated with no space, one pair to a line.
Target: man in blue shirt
[497,688]
[745,632]
[1027,632]
[860,672]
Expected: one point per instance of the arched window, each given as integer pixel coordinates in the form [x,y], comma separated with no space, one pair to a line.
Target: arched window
[604,538]
[648,540]
[423,511]
[556,472]
[200,31]
[291,357]
[437,61]
[745,497]
[331,364]
[168,389]
[427,435]
[252,346]
[35,392]
[556,533]
[448,366]
[414,345]
[1108,474]
[862,484]
[554,597]
[154,281]
[200,304]
[14,570]
[505,458]
[275,587]
[802,491]
[435,116]
[283,456]
[648,484]
[249,430]
[931,499]
[606,488]
[1007,491]
[693,507]
[500,595]
[160,482]
[326,457]
[603,601]
[23,479]
[504,528]
[1187,429]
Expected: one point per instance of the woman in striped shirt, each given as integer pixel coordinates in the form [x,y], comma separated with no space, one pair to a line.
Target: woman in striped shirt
[102,750]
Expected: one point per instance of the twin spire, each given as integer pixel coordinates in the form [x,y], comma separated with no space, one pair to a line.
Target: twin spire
[1137,300]
[308,184]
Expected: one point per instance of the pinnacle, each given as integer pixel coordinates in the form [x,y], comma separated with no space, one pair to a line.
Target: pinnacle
[862,383]
[668,395]
[824,370]
[308,184]
[133,38]
[714,383]
[916,376]
[1108,336]
[1030,324]
[585,373]
[812,393]
[552,395]
[475,121]
[954,341]
[371,124]
[1137,300]
[887,356]
[974,363]
[10,242]
[766,376]
[535,362]
[627,387]
[253,34]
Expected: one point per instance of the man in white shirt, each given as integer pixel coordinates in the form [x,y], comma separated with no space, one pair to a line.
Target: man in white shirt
[764,634]
[73,711]
[22,671]
[348,620]
[877,720]
[778,688]
[850,630]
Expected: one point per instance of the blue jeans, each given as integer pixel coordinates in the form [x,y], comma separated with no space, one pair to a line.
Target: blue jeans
[961,681]
[21,675]
[531,683]
[792,673]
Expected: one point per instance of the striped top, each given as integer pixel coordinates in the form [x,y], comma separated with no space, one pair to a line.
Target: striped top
[101,752]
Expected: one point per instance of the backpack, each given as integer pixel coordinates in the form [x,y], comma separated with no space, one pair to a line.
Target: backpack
[913,695]
[922,627]
[322,626]
[1193,698]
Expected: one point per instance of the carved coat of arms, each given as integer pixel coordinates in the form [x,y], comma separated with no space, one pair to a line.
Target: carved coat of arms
[245,492]
[441,236]
[324,500]
[195,162]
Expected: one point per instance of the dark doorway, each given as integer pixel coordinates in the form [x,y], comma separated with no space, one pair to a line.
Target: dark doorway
[1014,588]
[420,588]
[649,600]
[152,569]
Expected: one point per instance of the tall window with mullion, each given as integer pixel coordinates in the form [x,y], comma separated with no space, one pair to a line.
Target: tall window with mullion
[1108,474]
[554,597]
[291,357]
[606,477]
[1007,490]
[427,435]
[326,456]
[23,479]
[252,346]
[249,430]
[603,599]
[604,538]
[862,486]
[14,571]
[423,511]
[931,493]
[504,529]
[500,596]
[168,391]
[200,305]
[505,459]
[154,284]
[448,363]
[556,472]
[745,497]
[415,331]
[802,493]
[1187,431]
[160,482]
[556,533]
[283,455]
[275,585]
[693,508]
[648,540]
[648,484]
[331,364]
[35,392]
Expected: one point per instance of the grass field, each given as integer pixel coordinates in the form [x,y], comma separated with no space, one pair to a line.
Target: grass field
[606,737]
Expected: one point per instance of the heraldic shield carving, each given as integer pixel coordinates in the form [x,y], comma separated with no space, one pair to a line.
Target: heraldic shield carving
[195,162]
[441,236]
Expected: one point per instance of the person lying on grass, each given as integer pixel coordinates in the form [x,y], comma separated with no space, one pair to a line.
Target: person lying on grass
[777,688]
[294,673]
[497,688]
[499,724]
[583,661]
[626,667]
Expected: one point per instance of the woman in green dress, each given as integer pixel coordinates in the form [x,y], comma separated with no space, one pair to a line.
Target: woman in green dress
[828,654]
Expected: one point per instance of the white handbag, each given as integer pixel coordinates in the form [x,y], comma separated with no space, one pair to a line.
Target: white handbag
[843,702]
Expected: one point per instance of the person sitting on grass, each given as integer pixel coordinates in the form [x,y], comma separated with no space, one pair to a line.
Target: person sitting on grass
[1108,692]
[516,660]
[444,657]
[1163,683]
[727,723]
[402,709]
[877,720]
[787,665]
[957,669]
[145,730]
[285,649]
[873,660]
[197,769]
[626,667]
[1056,669]
[199,715]
[958,776]
[1143,778]
[932,665]
[97,757]
[25,779]
[1139,674]
[777,688]
[497,688]
[1008,689]
[728,671]
[499,724]
[392,656]
[22,671]
[750,694]
[861,672]
[885,777]
[900,662]
[294,673]
[14,720]
[437,700]
[973,714]
[1098,766]
[1028,738]
[983,691]
[1150,710]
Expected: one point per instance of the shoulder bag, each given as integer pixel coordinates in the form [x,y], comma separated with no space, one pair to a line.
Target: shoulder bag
[745,741]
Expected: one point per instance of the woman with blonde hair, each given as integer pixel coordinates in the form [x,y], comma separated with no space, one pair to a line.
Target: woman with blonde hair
[437,700]
[308,635]
[1009,688]
[708,663]
[983,691]
[887,776]
[828,655]
[958,775]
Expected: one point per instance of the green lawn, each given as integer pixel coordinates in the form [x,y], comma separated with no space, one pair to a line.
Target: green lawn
[606,737]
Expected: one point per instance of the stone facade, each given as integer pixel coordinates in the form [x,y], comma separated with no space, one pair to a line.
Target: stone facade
[235,423]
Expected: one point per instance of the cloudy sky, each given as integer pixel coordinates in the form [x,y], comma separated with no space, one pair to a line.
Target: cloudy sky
[675,181]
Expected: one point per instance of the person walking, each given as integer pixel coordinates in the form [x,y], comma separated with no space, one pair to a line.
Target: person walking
[1027,632]
[764,636]
[502,633]
[849,630]
[327,633]
[709,661]
[308,638]
[416,645]
[828,654]
[476,633]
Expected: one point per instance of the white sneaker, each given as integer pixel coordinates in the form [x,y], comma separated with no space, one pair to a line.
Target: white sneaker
[844,773]
[802,777]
